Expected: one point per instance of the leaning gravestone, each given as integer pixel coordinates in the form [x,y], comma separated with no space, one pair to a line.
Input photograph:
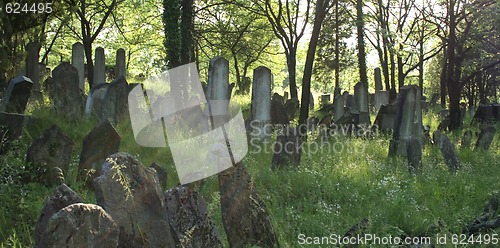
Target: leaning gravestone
[217,89]
[62,197]
[361,97]
[100,143]
[278,113]
[448,152]
[190,219]
[65,92]
[386,116]
[95,100]
[17,95]
[408,122]
[115,101]
[121,68]
[131,194]
[244,215]
[50,155]
[261,102]
[287,148]
[485,138]
[381,98]
[414,155]
[338,107]
[81,226]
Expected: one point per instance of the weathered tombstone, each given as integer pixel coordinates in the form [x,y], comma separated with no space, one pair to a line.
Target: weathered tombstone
[217,88]
[50,155]
[381,98]
[131,194]
[408,122]
[99,66]
[100,143]
[466,139]
[278,113]
[115,102]
[62,197]
[351,103]
[338,108]
[190,219]
[291,106]
[121,69]
[65,92]
[414,155]
[32,67]
[325,99]
[161,173]
[94,104]
[261,103]
[11,128]
[386,116]
[448,152]
[78,61]
[244,215]
[17,95]
[485,137]
[287,149]
[378,79]
[361,96]
[81,226]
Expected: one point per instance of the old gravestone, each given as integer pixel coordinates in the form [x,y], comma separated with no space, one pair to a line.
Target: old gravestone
[386,116]
[100,143]
[99,66]
[484,113]
[338,107]
[244,215]
[287,148]
[378,79]
[485,137]
[11,128]
[78,61]
[32,66]
[448,152]
[95,100]
[50,155]
[65,92]
[131,194]
[381,98]
[81,226]
[62,197]
[190,219]
[217,89]
[408,122]
[414,155]
[121,69]
[17,95]
[115,101]
[278,113]
[361,98]
[261,102]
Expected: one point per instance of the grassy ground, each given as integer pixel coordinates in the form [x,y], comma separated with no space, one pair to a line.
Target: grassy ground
[330,192]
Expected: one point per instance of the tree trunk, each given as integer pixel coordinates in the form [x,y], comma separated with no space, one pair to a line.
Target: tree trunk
[452,81]
[337,51]
[361,42]
[292,72]
[442,79]
[87,47]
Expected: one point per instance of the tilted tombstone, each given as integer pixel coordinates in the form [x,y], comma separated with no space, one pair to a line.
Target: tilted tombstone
[81,226]
[65,92]
[261,102]
[386,116]
[351,103]
[115,102]
[278,113]
[121,69]
[408,122]
[32,65]
[448,152]
[485,137]
[78,61]
[50,154]
[361,96]
[17,95]
[99,66]
[95,100]
[190,219]
[135,202]
[62,197]
[381,98]
[99,144]
[244,215]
